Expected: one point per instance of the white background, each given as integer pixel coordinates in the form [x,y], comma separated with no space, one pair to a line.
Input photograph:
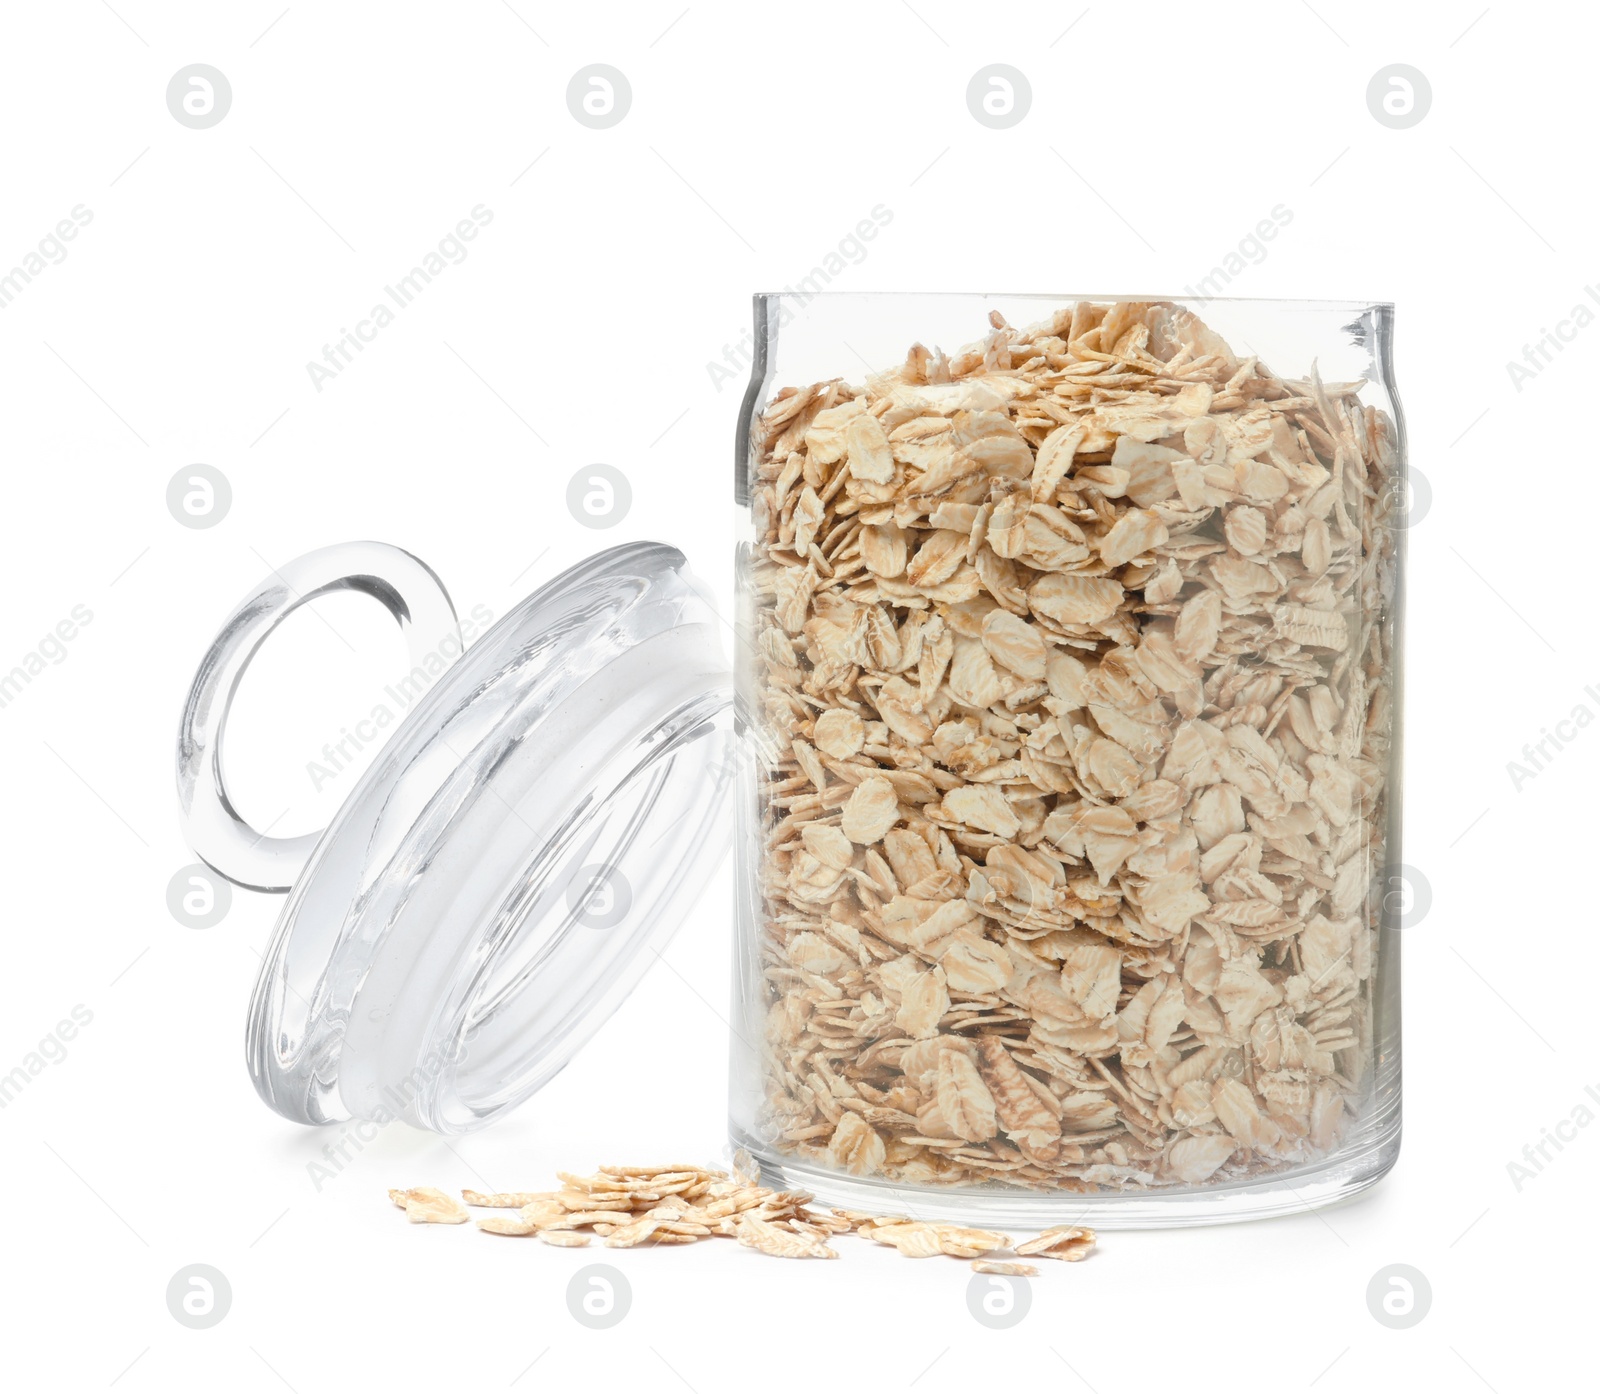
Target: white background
[578,330]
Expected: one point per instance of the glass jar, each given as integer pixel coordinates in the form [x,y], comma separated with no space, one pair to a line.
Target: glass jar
[1068,688]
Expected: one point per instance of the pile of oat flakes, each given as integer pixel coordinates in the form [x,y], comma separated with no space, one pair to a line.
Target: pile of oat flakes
[631,1206]
[1073,704]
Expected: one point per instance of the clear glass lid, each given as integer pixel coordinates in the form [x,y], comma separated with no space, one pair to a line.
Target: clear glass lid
[494,885]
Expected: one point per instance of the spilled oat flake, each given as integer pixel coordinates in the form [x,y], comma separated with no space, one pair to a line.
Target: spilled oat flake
[425,1205]
[645,1207]
[1074,679]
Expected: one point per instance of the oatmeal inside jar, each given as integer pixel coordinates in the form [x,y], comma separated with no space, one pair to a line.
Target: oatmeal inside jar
[1072,706]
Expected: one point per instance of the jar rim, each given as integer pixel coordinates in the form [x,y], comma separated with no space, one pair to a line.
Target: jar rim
[1068,298]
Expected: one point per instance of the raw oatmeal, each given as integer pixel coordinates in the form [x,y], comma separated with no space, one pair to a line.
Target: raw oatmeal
[629,1207]
[1073,717]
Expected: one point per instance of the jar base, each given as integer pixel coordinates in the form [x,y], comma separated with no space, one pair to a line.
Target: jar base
[1314,1186]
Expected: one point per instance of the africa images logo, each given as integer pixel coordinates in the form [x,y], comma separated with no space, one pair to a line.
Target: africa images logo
[451,250]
